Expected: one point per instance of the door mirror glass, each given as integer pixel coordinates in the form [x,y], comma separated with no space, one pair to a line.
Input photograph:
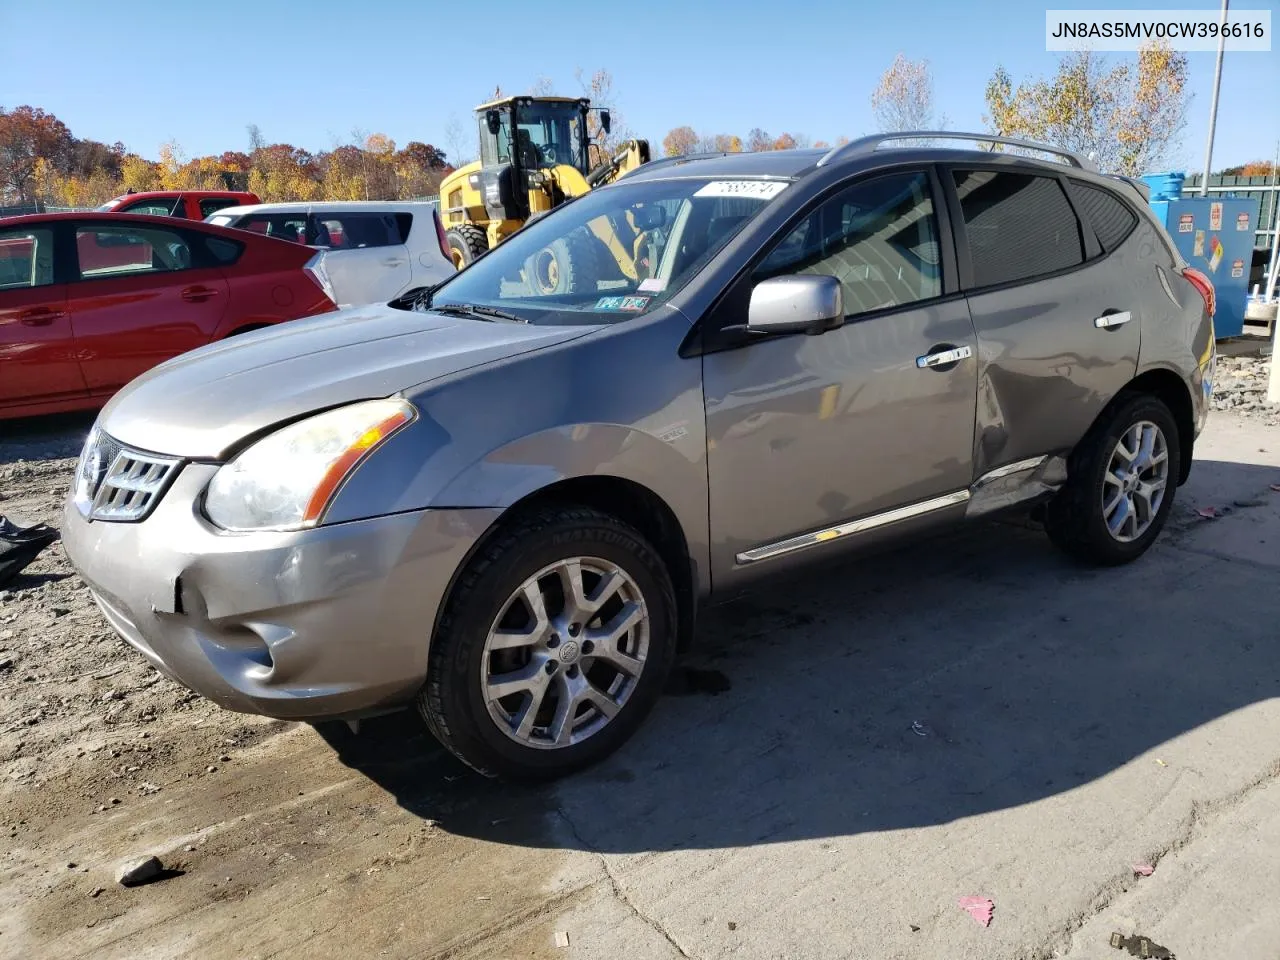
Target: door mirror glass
[606,121]
[492,121]
[796,304]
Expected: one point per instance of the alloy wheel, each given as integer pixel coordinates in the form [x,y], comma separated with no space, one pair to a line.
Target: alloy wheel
[565,653]
[1136,480]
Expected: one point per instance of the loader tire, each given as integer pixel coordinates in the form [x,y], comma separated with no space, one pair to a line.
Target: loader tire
[466,242]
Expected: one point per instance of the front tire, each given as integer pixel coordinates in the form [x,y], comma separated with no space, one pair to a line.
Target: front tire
[1120,485]
[466,242]
[554,645]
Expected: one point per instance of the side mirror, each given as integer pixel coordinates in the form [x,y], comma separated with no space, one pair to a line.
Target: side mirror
[606,121]
[492,121]
[796,304]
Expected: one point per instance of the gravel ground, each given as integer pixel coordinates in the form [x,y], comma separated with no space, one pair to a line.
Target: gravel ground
[1241,387]
[76,700]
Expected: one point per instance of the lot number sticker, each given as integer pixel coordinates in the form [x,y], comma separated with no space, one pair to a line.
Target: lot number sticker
[751,189]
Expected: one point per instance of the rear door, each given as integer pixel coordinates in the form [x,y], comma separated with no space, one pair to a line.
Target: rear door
[152,206]
[37,352]
[368,261]
[1058,322]
[140,295]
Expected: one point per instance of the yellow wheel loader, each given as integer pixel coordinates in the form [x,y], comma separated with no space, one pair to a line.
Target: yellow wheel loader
[534,155]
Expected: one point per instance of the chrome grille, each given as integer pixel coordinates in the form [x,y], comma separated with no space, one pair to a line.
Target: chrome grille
[118,483]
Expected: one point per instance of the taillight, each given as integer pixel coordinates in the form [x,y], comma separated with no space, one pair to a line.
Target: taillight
[444,241]
[1204,286]
[314,268]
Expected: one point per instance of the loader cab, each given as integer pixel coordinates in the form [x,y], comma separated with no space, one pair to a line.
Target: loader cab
[520,137]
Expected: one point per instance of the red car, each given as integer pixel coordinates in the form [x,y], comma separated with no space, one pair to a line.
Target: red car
[88,301]
[187,204]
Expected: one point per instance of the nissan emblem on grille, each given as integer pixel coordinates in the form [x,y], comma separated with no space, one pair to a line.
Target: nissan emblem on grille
[114,482]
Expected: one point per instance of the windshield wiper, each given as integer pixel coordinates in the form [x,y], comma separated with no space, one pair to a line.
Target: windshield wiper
[477,310]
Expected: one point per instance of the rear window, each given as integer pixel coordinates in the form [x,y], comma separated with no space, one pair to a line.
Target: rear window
[214,204]
[26,258]
[1110,217]
[1019,226]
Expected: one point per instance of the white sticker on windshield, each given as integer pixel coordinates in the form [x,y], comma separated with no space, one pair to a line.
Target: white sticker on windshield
[752,189]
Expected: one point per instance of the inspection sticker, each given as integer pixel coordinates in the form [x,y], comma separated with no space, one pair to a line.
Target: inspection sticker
[1186,223]
[751,189]
[652,285]
[622,303]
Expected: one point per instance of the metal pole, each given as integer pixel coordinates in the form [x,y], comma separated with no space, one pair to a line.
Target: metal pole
[1273,262]
[1213,105]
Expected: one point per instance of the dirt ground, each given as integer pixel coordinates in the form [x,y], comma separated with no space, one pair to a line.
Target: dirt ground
[768,809]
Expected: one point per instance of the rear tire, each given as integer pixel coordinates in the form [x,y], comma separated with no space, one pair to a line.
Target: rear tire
[1120,485]
[580,678]
[466,242]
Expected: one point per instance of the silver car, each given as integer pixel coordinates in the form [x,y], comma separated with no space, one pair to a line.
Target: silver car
[505,499]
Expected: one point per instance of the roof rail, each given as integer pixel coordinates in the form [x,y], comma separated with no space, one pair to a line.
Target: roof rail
[865,145]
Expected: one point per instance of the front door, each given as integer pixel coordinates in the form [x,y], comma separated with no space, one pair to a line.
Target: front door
[142,294]
[37,355]
[814,439]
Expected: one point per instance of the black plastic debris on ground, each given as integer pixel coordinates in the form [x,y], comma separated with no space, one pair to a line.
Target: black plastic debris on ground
[20,545]
[1143,947]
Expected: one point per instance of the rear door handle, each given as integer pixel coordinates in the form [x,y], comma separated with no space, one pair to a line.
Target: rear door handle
[198,294]
[941,358]
[1112,318]
[393,261]
[39,317]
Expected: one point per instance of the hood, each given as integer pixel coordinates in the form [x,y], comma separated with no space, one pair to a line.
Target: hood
[202,403]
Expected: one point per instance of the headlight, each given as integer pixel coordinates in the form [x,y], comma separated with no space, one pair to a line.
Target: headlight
[286,480]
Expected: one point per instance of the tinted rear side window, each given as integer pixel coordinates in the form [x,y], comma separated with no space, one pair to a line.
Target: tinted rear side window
[1018,225]
[404,223]
[1110,217]
[224,252]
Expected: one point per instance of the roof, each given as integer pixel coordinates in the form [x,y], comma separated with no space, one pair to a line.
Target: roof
[179,193]
[124,219]
[770,163]
[320,206]
[524,98]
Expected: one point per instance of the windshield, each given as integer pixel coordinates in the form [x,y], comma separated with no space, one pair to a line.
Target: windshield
[109,205]
[547,134]
[611,254]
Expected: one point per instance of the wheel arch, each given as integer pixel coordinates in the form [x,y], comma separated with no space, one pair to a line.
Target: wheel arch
[1169,387]
[627,500]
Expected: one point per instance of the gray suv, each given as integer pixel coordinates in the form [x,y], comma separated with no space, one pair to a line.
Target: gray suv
[505,499]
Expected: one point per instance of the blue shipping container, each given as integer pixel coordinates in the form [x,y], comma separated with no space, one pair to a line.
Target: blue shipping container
[1215,235]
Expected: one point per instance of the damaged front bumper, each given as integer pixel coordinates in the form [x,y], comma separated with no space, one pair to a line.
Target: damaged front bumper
[329,622]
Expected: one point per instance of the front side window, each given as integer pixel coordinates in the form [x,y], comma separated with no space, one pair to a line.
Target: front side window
[1019,225]
[26,258]
[106,251]
[879,238]
[611,254]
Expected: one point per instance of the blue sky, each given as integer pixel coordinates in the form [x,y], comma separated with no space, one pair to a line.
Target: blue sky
[145,72]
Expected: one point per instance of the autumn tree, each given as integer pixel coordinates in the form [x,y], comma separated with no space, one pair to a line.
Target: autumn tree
[758,140]
[599,89]
[680,142]
[1128,115]
[903,99]
[1254,168]
[28,134]
[784,142]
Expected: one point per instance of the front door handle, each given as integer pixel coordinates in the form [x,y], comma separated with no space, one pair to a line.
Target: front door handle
[944,357]
[1112,318]
[198,294]
[39,317]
